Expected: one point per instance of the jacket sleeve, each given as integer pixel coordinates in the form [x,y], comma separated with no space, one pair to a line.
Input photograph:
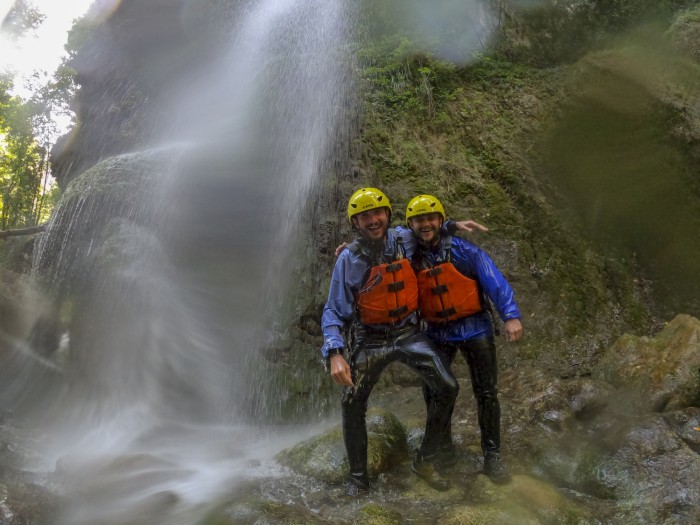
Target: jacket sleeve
[408,239]
[489,276]
[340,305]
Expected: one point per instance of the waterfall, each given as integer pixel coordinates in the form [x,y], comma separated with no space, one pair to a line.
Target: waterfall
[168,260]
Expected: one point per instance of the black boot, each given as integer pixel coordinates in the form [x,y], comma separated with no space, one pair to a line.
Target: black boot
[357,485]
[495,468]
[446,457]
[430,474]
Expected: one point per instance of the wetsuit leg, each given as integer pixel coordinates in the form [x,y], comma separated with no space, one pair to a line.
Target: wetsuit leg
[480,355]
[418,352]
[447,353]
[366,365]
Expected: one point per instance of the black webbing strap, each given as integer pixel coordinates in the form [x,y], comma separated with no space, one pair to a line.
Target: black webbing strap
[397,286]
[397,312]
[439,290]
[434,271]
[446,313]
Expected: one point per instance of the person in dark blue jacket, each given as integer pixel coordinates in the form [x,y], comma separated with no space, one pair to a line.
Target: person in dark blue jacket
[456,279]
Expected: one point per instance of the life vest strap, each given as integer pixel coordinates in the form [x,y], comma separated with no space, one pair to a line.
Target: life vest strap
[434,271]
[397,312]
[447,312]
[440,289]
[394,267]
[397,286]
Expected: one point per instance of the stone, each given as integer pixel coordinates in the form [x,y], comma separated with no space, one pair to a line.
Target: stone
[323,457]
[659,374]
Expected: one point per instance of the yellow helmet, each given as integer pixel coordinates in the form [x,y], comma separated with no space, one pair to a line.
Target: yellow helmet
[367,199]
[422,204]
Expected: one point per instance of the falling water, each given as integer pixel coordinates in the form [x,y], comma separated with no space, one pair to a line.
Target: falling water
[167,260]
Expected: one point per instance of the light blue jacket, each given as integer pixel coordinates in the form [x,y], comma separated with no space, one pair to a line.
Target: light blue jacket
[348,275]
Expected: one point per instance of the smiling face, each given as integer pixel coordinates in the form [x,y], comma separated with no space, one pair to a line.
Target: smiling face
[372,224]
[426,227]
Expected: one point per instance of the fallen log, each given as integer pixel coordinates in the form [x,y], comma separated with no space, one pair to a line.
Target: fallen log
[4,234]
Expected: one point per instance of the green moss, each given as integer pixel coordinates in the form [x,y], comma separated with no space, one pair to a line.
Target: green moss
[467,135]
[377,515]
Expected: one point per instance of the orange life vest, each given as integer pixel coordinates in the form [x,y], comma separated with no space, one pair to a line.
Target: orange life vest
[389,295]
[445,294]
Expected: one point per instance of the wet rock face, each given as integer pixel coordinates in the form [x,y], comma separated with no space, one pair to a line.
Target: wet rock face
[118,188]
[606,440]
[686,424]
[685,32]
[550,404]
[654,475]
[580,452]
[130,66]
[24,498]
[659,374]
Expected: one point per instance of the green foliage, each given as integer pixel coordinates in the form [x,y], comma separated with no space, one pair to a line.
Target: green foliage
[27,131]
[21,166]
[685,31]
[21,18]
[550,32]
[466,133]
[80,33]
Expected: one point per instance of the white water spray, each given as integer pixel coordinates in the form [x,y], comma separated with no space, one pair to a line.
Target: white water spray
[162,258]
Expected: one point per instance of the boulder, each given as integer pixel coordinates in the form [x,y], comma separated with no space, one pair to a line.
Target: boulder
[685,32]
[656,374]
[653,474]
[323,457]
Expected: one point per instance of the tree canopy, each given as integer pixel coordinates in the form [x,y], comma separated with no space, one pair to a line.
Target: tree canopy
[28,129]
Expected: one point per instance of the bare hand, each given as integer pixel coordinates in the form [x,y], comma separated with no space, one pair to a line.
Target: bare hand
[514,329]
[340,248]
[470,226]
[340,371]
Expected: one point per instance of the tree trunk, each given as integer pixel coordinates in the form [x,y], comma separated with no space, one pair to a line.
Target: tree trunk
[22,231]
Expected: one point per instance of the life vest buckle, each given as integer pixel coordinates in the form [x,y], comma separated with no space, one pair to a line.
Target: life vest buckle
[393,267]
[438,290]
[434,271]
[447,313]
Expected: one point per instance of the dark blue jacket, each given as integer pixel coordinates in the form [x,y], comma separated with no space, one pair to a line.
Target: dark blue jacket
[473,262]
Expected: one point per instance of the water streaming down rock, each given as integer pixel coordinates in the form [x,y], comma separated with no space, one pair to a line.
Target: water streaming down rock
[164,259]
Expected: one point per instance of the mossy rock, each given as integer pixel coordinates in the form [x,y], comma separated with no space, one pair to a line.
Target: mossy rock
[323,457]
[377,515]
[523,501]
[659,373]
[253,511]
[685,32]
